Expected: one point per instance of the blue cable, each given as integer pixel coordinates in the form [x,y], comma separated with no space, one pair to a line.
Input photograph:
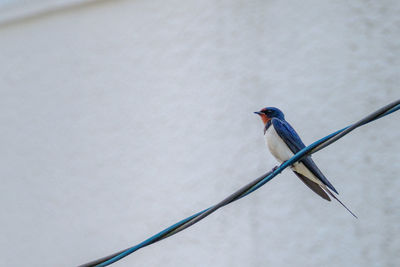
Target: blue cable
[269,176]
[148,241]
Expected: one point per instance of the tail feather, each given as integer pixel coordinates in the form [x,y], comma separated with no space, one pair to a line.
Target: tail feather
[313,186]
[310,164]
[332,195]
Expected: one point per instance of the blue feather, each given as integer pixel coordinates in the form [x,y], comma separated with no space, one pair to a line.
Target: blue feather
[293,141]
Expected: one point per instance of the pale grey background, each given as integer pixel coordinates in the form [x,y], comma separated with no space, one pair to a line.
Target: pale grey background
[119,118]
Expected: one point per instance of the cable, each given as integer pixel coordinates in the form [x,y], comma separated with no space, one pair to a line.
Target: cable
[249,188]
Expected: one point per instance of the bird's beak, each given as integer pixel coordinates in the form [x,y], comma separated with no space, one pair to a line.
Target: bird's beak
[258,113]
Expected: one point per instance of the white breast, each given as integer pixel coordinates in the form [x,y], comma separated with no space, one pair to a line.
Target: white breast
[282,152]
[277,146]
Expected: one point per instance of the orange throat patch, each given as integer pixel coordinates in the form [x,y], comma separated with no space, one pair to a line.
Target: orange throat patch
[264,118]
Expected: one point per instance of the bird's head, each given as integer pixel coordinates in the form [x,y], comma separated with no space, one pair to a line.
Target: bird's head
[267,114]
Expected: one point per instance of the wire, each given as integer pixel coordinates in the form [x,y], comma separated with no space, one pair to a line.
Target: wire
[247,189]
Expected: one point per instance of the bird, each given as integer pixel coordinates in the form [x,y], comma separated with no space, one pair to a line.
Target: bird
[283,142]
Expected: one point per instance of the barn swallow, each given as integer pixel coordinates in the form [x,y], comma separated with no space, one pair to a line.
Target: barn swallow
[283,142]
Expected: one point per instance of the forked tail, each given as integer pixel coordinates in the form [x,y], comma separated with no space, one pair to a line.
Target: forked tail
[332,195]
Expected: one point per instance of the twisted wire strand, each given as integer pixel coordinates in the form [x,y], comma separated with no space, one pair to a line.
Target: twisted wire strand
[247,189]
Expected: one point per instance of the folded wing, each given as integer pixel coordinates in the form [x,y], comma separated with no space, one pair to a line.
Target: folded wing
[293,141]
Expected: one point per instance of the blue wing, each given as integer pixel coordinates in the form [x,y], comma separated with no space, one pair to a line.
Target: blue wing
[293,141]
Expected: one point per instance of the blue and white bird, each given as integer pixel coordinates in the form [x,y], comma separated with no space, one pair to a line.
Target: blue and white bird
[283,142]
